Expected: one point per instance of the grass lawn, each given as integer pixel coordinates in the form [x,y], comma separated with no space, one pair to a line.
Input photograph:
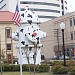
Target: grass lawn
[24,73]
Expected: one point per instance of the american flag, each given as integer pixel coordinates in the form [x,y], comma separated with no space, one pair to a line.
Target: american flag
[17,18]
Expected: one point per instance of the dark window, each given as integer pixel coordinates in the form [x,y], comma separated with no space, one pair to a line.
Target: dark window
[66,2]
[46,10]
[47,17]
[70,21]
[67,52]
[8,46]
[71,36]
[66,8]
[22,9]
[39,3]
[62,7]
[72,51]
[62,12]
[74,34]
[74,21]
[8,33]
[61,1]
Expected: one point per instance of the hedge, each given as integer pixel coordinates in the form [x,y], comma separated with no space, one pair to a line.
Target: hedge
[59,69]
[38,68]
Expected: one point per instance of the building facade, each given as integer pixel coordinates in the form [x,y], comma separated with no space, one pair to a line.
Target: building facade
[53,42]
[8,49]
[46,9]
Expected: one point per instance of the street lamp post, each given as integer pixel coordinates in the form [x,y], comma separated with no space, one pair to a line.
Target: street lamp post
[62,26]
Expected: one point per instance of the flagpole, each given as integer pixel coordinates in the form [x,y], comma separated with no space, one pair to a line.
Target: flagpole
[20,44]
[17,19]
[20,51]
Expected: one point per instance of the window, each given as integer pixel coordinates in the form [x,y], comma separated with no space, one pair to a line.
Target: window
[71,35]
[74,34]
[22,9]
[8,46]
[61,1]
[62,12]
[66,8]
[74,21]
[71,22]
[7,31]
[41,16]
[62,7]
[67,52]
[45,10]
[39,3]
[66,2]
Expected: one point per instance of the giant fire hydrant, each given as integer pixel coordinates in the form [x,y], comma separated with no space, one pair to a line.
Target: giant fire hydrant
[31,37]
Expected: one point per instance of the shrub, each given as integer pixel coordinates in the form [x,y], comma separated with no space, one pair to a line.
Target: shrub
[72,70]
[59,69]
[69,68]
[50,63]
[16,67]
[38,68]
[6,67]
[54,62]
[59,63]
[25,67]
[11,67]
[5,62]
[42,68]
[32,67]
[70,63]
[62,70]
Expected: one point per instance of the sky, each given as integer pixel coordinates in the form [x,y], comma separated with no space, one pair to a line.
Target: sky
[71,5]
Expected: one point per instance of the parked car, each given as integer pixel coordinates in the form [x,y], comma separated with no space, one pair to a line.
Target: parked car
[55,58]
[62,57]
[73,57]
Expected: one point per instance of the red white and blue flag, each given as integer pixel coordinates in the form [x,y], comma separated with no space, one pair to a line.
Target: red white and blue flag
[17,18]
